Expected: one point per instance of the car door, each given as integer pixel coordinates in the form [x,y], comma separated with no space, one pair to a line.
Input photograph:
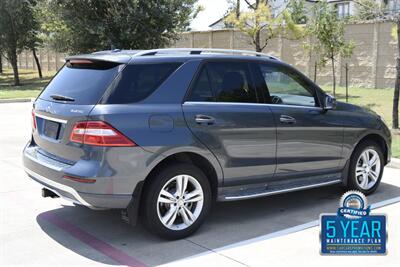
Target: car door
[309,138]
[223,112]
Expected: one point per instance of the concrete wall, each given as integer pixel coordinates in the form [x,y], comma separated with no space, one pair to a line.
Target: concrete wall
[372,65]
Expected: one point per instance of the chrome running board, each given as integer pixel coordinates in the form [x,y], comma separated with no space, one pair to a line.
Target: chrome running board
[274,192]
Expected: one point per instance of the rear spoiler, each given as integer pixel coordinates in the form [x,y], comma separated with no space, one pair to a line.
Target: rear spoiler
[119,59]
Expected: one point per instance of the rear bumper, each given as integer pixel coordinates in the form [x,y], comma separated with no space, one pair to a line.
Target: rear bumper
[90,200]
[99,195]
[62,190]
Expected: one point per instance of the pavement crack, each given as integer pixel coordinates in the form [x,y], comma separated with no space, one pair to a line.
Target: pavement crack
[216,252]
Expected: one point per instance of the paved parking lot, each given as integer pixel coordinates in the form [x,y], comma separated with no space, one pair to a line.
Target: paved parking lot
[275,231]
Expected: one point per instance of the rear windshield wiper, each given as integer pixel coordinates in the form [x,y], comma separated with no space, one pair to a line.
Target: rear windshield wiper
[62,98]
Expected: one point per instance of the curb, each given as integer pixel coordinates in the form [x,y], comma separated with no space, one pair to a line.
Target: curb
[16,100]
[394,163]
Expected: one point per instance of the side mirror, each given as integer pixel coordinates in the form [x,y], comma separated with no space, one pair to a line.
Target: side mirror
[330,102]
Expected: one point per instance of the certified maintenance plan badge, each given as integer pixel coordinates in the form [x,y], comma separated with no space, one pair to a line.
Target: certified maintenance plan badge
[353,230]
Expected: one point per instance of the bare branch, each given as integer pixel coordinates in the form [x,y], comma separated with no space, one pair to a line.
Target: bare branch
[250,5]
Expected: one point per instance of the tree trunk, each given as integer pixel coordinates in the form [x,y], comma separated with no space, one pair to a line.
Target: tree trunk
[237,9]
[257,42]
[395,114]
[333,76]
[14,64]
[39,68]
[315,72]
[1,63]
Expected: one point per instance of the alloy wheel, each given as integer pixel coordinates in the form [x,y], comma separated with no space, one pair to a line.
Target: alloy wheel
[368,169]
[180,202]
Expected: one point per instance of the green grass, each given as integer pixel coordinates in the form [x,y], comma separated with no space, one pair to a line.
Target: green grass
[30,86]
[378,100]
[396,146]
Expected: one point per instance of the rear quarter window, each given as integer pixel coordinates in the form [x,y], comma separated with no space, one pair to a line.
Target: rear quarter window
[136,82]
[85,84]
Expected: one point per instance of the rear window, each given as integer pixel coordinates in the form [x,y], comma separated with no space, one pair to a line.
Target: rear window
[136,82]
[82,84]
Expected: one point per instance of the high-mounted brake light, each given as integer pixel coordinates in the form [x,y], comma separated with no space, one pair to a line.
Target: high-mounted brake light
[98,133]
[33,120]
[80,61]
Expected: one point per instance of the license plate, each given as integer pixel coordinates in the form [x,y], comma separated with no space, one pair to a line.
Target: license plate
[51,129]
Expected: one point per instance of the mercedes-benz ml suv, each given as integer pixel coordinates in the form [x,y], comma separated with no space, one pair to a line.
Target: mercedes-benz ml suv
[162,134]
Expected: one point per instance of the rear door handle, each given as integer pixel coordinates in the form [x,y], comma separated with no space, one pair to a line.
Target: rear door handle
[204,119]
[287,119]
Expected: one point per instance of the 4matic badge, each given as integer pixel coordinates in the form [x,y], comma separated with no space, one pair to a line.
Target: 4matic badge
[353,230]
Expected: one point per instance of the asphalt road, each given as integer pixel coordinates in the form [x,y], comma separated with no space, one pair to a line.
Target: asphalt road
[276,231]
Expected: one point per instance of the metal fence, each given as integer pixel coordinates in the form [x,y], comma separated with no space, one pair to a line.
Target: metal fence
[49,60]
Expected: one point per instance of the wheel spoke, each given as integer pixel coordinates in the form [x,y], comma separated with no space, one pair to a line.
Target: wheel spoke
[373,160]
[373,175]
[184,217]
[359,171]
[184,184]
[181,184]
[365,157]
[165,200]
[187,216]
[194,196]
[191,216]
[170,216]
[166,197]
[364,181]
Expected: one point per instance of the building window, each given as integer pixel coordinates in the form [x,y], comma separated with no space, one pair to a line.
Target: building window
[393,5]
[343,9]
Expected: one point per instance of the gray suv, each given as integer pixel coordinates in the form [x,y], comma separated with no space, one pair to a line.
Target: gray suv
[162,134]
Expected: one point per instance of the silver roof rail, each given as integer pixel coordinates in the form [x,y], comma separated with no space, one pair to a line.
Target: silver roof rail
[197,51]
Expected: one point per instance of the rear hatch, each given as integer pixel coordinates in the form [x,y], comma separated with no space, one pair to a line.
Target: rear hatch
[68,99]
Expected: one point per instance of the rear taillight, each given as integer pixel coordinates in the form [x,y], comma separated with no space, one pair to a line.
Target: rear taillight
[98,133]
[33,120]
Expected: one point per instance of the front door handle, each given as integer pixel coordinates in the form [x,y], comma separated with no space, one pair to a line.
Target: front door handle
[287,119]
[204,119]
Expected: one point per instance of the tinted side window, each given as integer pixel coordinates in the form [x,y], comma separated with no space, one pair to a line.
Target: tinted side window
[201,90]
[231,82]
[287,87]
[136,82]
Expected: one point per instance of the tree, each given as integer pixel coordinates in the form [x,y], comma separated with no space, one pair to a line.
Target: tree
[298,12]
[386,13]
[366,9]
[259,19]
[328,33]
[127,24]
[16,24]
[34,39]
[53,31]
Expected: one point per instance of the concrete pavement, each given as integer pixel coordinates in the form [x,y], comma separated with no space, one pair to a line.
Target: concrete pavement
[259,232]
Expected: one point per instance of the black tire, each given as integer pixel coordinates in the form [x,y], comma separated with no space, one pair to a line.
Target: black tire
[149,205]
[352,183]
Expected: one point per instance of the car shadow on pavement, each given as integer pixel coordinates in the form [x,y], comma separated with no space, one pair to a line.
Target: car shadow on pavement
[228,223]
